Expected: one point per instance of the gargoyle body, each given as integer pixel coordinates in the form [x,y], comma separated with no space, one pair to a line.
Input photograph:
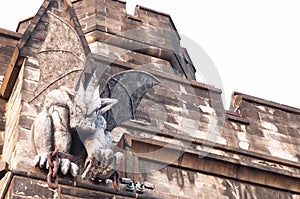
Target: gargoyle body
[64,110]
[83,111]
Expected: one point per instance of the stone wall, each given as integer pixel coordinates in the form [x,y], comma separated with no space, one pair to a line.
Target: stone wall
[273,129]
[173,182]
[8,43]
[12,120]
[181,140]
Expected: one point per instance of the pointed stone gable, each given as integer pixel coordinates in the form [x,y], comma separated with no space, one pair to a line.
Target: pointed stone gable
[53,18]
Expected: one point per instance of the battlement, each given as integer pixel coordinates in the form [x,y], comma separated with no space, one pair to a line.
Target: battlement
[179,138]
[149,26]
[156,18]
[111,16]
[148,31]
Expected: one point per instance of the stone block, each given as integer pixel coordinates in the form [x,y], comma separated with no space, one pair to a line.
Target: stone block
[294,133]
[29,188]
[29,85]
[31,73]
[28,51]
[34,43]
[26,122]
[39,35]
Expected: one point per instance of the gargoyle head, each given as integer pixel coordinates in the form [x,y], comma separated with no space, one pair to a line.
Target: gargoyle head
[85,110]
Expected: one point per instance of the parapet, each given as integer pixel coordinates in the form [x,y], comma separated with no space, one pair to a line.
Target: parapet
[180,126]
[148,31]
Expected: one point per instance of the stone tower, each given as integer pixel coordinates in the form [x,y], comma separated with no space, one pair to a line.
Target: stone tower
[178,141]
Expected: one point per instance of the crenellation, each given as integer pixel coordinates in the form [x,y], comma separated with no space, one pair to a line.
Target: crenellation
[180,127]
[115,22]
[148,14]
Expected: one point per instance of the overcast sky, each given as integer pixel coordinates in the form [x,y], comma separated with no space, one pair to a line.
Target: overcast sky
[254,45]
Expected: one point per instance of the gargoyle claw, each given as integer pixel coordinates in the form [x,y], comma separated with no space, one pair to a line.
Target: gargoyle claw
[66,166]
[40,160]
[74,169]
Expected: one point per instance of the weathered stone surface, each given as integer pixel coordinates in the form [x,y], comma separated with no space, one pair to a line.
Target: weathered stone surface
[259,170]
[196,185]
[147,28]
[28,188]
[194,149]
[268,130]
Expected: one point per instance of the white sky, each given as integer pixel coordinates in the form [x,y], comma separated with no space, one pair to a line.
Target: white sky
[255,45]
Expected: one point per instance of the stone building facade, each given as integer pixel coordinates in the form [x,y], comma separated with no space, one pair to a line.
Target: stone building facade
[181,143]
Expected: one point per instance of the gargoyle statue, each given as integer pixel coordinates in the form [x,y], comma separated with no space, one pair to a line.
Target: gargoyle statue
[93,117]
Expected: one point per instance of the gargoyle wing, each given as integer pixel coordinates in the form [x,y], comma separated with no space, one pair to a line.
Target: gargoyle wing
[61,56]
[128,88]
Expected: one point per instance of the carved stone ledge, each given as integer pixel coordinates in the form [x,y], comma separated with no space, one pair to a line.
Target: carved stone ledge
[67,187]
[198,141]
[244,168]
